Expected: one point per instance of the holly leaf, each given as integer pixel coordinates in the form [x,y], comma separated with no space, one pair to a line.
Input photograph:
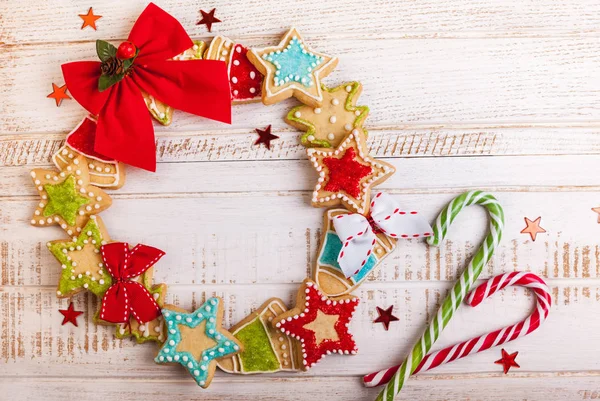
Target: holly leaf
[105,50]
[106,81]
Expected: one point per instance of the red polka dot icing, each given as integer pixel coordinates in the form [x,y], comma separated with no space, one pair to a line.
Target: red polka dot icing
[245,79]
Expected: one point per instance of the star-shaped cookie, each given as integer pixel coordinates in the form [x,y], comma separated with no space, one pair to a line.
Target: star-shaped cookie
[81,261]
[292,68]
[347,174]
[196,340]
[320,323]
[328,125]
[67,198]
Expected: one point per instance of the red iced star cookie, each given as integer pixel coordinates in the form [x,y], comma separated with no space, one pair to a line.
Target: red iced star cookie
[347,174]
[320,323]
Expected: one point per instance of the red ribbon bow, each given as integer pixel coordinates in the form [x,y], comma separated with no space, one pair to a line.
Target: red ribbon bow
[125,297]
[124,131]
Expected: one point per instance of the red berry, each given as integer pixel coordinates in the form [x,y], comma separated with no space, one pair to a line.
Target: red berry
[126,51]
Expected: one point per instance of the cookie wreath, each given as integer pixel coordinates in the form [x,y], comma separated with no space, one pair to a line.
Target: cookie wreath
[149,76]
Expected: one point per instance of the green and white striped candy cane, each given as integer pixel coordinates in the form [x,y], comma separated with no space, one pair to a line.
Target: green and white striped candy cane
[461,287]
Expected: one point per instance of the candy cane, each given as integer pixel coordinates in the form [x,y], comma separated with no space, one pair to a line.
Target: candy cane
[461,287]
[493,339]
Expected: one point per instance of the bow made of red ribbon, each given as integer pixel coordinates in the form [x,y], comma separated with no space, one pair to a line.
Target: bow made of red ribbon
[126,297]
[124,131]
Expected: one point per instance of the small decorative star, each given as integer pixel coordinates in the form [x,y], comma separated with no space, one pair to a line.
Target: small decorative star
[292,68]
[265,136]
[59,93]
[196,340]
[320,323]
[89,19]
[533,228]
[347,174]
[597,210]
[385,317]
[508,361]
[208,18]
[70,315]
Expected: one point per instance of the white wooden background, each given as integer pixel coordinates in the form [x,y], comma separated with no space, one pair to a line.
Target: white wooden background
[502,95]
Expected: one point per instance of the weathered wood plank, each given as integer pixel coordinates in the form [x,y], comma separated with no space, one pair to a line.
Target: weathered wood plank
[35,22]
[35,149]
[421,388]
[406,81]
[261,238]
[30,325]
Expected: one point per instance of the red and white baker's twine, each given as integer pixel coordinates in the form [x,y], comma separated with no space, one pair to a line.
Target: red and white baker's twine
[493,339]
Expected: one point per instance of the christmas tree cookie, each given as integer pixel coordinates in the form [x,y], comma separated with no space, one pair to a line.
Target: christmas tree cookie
[266,350]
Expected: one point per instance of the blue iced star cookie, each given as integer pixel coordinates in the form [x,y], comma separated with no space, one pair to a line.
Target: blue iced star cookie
[292,68]
[196,340]
[294,63]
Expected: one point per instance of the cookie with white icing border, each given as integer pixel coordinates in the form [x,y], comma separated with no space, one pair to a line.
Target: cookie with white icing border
[347,174]
[67,198]
[292,68]
[266,350]
[244,79]
[328,274]
[321,323]
[81,261]
[162,112]
[104,172]
[328,125]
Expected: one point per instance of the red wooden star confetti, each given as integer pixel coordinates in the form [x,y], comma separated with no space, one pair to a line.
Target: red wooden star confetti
[208,18]
[533,228]
[59,93]
[597,210]
[508,361]
[89,19]
[385,316]
[320,323]
[70,315]
[265,136]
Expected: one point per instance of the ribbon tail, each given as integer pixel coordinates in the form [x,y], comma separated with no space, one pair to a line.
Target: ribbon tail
[81,78]
[115,305]
[124,131]
[143,306]
[199,87]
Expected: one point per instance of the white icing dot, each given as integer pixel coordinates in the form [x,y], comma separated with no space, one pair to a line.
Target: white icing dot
[330,136]
[234,80]
[317,110]
[252,90]
[332,119]
[252,75]
[335,102]
[297,114]
[236,62]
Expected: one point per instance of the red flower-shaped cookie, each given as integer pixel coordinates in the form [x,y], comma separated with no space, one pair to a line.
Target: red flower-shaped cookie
[320,323]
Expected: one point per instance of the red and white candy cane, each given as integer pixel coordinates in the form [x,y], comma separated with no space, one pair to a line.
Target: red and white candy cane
[482,343]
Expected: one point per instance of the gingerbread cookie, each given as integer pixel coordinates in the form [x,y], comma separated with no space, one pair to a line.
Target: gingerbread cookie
[266,350]
[161,112]
[81,262]
[67,198]
[104,172]
[328,125]
[292,68]
[244,79]
[328,274]
[142,332]
[320,323]
[196,340]
[347,174]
